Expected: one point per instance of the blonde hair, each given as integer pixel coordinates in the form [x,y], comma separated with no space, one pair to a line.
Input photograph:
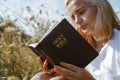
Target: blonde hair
[106,19]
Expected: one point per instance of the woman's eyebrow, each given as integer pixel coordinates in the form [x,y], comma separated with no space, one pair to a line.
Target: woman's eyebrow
[79,9]
[76,11]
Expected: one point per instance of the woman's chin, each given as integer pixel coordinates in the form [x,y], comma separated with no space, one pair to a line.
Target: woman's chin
[86,32]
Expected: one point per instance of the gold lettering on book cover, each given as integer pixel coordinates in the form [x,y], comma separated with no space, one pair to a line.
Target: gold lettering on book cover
[60,41]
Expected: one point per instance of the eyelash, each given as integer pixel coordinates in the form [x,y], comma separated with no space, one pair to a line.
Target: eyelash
[82,12]
[73,17]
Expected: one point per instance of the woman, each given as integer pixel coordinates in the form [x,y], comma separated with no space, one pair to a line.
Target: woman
[96,20]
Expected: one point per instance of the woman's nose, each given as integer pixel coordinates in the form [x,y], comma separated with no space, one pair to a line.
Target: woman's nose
[78,20]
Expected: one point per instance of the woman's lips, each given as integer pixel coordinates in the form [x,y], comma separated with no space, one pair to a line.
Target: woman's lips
[83,27]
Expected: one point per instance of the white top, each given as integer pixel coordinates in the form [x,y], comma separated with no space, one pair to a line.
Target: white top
[107,65]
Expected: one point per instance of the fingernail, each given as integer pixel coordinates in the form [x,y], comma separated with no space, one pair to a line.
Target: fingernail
[61,63]
[55,66]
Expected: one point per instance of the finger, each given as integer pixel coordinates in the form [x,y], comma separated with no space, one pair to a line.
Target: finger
[45,65]
[69,78]
[70,66]
[52,72]
[41,61]
[64,71]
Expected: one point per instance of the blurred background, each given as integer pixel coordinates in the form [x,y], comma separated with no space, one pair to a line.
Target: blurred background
[23,22]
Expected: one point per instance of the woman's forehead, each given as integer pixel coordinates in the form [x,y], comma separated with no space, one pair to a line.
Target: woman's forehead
[75,4]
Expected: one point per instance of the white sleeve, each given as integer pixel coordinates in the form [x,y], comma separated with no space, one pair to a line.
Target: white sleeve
[115,77]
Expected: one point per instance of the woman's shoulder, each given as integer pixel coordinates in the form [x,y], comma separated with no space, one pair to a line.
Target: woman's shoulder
[115,41]
[113,45]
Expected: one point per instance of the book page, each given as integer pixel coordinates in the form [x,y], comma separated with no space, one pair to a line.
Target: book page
[33,45]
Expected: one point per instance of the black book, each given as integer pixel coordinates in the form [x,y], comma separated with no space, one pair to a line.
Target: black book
[62,42]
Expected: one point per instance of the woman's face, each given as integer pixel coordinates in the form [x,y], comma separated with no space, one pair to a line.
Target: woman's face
[83,14]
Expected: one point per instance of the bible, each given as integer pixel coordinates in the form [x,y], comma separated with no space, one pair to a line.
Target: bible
[62,42]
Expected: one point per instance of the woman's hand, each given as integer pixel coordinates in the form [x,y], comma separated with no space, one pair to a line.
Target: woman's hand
[51,73]
[43,63]
[57,78]
[71,72]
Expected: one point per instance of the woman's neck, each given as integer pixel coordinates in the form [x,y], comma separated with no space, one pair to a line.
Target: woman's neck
[99,44]
[92,40]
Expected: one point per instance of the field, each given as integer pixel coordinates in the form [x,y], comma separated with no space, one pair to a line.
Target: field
[17,61]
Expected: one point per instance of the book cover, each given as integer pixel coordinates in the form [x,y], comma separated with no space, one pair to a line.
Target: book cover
[64,43]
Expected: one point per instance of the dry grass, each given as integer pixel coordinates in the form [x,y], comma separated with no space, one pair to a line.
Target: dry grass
[17,61]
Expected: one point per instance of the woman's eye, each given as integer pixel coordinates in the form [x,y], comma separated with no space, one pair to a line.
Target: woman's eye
[73,17]
[82,12]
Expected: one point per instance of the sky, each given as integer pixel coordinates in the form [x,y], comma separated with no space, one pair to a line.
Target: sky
[54,7]
[51,5]
[116,6]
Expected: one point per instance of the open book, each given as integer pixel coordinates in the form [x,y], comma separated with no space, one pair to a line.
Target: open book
[63,43]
